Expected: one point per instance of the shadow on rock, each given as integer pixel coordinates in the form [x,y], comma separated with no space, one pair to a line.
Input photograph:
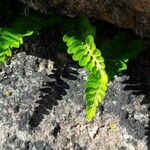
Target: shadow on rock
[52,92]
[139,82]
[46,47]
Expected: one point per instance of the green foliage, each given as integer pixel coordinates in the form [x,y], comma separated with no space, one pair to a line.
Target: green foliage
[8,40]
[83,50]
[118,51]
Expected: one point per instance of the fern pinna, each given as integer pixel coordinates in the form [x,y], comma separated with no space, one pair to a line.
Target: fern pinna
[84,51]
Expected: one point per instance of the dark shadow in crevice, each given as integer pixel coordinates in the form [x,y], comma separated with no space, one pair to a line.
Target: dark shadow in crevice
[56,130]
[139,82]
[138,86]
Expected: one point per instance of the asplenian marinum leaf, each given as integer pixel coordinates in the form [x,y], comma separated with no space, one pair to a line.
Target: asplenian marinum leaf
[8,40]
[89,57]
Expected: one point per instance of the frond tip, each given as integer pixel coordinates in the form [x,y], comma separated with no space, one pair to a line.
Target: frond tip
[96,87]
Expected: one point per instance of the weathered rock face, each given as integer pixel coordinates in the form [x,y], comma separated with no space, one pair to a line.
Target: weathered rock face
[134,14]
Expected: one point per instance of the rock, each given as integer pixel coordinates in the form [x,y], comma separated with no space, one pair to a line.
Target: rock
[134,14]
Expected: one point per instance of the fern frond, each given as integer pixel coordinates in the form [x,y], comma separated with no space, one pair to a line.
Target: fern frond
[118,51]
[8,40]
[89,57]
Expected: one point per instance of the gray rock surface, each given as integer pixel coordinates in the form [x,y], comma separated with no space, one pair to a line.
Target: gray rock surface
[42,107]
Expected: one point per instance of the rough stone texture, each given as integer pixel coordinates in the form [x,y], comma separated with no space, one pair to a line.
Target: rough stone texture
[134,14]
[42,106]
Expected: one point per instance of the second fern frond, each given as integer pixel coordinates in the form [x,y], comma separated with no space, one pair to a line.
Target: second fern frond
[8,40]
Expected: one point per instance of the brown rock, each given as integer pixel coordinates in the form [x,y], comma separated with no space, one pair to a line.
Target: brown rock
[134,14]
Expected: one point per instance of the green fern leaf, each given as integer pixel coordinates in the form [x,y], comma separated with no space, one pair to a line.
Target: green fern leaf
[88,56]
[95,91]
[8,40]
